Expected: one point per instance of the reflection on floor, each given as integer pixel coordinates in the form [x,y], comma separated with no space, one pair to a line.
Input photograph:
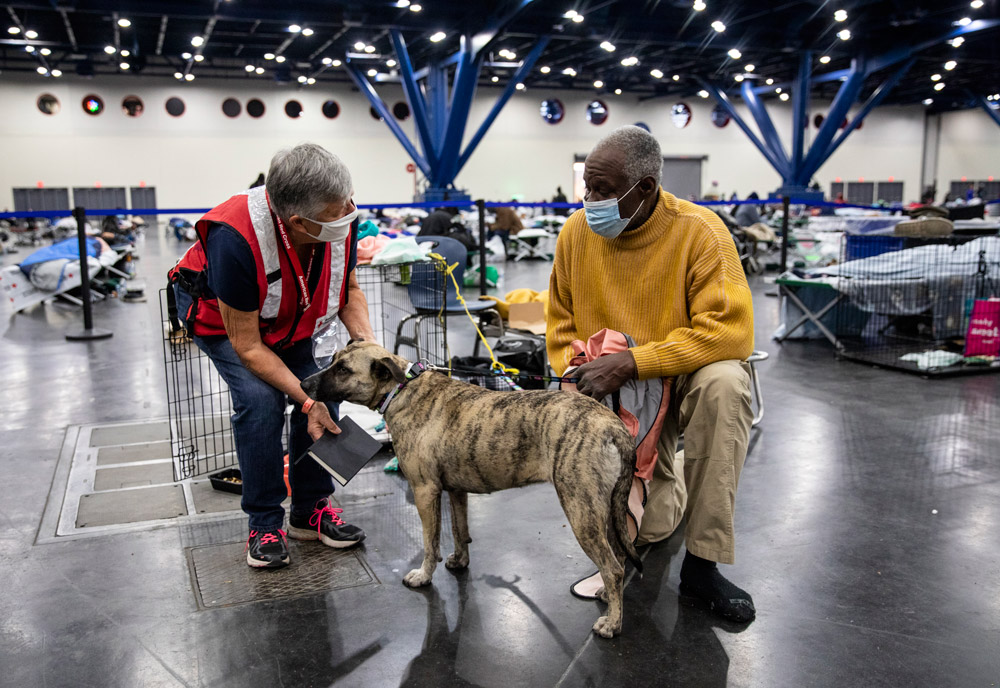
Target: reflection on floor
[867,520]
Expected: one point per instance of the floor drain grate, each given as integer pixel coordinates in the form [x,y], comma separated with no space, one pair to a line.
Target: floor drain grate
[223,579]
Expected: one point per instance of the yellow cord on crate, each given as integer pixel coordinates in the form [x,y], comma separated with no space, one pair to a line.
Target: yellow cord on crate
[449,270]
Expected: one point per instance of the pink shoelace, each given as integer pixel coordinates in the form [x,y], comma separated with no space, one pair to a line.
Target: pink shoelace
[266,538]
[317,518]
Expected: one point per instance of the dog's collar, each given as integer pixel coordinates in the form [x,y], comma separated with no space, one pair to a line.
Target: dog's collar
[412,372]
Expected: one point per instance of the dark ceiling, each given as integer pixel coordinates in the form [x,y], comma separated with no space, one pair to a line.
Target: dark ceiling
[665,35]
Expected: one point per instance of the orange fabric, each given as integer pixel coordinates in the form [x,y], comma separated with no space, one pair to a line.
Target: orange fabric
[605,343]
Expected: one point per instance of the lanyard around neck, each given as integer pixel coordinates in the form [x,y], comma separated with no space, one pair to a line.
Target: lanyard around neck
[293,258]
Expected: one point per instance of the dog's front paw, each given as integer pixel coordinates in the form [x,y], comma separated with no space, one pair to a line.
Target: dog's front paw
[606,629]
[457,562]
[416,578]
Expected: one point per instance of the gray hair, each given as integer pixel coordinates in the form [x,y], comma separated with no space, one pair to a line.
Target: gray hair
[641,150]
[305,179]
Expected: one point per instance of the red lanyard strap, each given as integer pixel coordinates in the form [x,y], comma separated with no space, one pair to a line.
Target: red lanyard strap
[293,258]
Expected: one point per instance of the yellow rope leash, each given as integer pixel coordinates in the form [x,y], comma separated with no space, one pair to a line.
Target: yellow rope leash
[449,270]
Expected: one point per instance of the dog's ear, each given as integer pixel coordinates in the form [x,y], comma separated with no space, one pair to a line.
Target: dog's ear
[386,369]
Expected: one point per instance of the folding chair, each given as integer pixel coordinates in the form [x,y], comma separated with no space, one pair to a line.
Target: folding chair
[426,296]
[531,243]
[788,289]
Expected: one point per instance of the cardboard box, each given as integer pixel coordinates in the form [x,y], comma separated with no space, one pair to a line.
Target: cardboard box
[527,316]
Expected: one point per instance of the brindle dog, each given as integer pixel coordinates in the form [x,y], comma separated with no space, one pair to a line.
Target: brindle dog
[457,437]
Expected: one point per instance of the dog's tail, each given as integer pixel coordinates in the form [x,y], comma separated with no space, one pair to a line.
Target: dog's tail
[619,497]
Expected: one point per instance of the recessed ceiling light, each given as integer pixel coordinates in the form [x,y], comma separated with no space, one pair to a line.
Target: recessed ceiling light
[935,77]
[45,51]
[964,21]
[769,82]
[328,61]
[749,68]
[415,8]
[956,42]
[569,14]
[13,30]
[336,63]
[259,70]
[494,79]
[110,49]
[825,59]
[976,4]
[784,96]
[676,77]
[618,91]
[928,101]
[124,23]
[402,3]
[186,56]
[198,41]
[699,5]
[124,53]
[189,77]
[718,26]
[42,70]
[703,94]
[938,86]
[307,32]
[656,73]
[519,87]
[311,80]
[178,75]
[950,65]
[844,34]
[199,58]
[124,65]
[545,69]
[608,45]
[56,73]
[630,61]
[268,56]
[390,63]
[29,48]
[569,71]
[438,37]
[302,79]
[249,68]
[840,15]
[31,34]
[294,28]
[778,90]
[359,46]
[279,58]
[372,72]
[735,54]
[738,77]
[598,84]
[578,18]
[369,48]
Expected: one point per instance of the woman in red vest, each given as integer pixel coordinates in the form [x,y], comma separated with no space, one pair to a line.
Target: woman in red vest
[261,293]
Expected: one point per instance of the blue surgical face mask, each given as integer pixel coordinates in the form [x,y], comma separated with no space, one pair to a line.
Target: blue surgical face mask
[604,217]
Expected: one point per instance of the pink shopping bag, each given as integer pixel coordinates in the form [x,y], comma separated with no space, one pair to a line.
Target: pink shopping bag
[983,337]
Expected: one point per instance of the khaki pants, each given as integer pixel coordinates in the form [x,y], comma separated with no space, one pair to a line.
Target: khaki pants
[711,407]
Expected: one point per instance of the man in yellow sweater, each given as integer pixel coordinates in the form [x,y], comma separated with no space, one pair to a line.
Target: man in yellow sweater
[665,271]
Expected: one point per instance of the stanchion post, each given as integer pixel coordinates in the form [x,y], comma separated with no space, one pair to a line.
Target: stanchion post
[784,234]
[88,333]
[481,206]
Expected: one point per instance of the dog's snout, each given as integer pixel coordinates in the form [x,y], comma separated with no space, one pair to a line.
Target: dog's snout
[311,385]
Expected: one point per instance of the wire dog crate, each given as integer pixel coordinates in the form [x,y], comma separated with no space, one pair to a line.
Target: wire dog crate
[198,400]
[903,296]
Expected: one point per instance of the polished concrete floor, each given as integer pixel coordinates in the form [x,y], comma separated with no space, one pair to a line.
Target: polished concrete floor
[867,523]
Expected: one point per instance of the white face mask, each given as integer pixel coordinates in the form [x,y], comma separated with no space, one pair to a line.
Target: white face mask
[336,230]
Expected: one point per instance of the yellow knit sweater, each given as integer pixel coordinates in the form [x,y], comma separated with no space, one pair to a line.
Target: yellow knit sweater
[675,285]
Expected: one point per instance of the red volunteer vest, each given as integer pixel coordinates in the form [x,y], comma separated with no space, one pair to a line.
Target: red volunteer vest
[283,321]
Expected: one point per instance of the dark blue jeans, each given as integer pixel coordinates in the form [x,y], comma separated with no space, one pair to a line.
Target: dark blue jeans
[258,425]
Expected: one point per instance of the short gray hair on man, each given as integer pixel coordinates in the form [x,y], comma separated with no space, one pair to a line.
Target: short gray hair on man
[643,157]
[305,179]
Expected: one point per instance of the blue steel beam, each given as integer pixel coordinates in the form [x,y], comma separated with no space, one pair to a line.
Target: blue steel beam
[463,92]
[800,110]
[724,101]
[874,100]
[361,81]
[415,98]
[765,125]
[988,107]
[436,90]
[523,70]
[846,96]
